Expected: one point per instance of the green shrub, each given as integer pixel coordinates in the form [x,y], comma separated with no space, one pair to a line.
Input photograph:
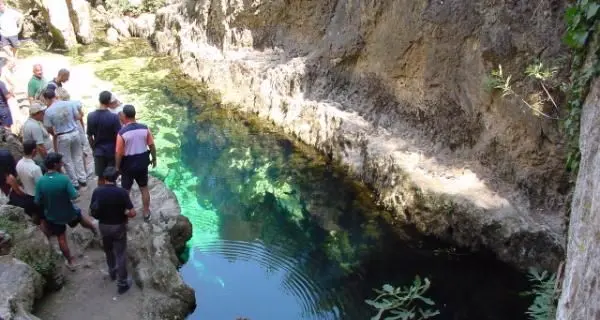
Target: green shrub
[403,302]
[545,293]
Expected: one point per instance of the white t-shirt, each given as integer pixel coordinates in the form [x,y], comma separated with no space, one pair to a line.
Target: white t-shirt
[29,173]
[8,22]
[117,109]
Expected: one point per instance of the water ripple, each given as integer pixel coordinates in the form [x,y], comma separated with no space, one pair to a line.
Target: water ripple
[295,282]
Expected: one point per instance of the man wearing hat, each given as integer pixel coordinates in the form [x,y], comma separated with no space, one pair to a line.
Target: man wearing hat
[34,130]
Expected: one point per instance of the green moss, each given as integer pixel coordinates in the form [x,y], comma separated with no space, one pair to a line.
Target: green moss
[14,228]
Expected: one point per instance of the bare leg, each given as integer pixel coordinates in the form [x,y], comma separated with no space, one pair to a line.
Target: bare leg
[44,228]
[145,200]
[87,223]
[64,247]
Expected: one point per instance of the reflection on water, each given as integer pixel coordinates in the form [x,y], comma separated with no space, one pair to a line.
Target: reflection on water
[278,233]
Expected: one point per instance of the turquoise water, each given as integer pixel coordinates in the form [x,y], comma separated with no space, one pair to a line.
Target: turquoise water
[279,233]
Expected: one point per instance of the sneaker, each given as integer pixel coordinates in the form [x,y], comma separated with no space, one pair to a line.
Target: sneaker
[124,288]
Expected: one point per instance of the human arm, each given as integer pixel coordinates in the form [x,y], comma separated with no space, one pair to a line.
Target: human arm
[4,91]
[32,90]
[91,128]
[71,189]
[38,136]
[150,142]
[48,124]
[130,210]
[14,184]
[38,194]
[119,152]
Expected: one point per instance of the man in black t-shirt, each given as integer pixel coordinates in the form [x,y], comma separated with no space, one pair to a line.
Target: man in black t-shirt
[102,129]
[112,207]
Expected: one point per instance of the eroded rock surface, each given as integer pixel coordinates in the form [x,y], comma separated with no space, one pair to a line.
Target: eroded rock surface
[56,14]
[581,288]
[152,250]
[395,91]
[20,285]
[81,18]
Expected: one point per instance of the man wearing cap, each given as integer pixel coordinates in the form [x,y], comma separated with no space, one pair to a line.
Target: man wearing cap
[112,207]
[102,129]
[61,117]
[54,193]
[34,130]
[116,107]
[135,145]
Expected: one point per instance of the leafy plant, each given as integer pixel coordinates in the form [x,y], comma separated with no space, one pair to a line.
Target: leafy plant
[403,302]
[581,18]
[536,101]
[545,293]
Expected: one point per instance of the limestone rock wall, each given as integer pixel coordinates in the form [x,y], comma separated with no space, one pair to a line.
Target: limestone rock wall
[394,90]
[581,289]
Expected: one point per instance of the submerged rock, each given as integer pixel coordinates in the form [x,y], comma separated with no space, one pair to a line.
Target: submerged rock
[20,286]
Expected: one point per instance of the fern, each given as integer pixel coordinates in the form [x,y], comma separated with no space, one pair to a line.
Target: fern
[546,297]
[402,302]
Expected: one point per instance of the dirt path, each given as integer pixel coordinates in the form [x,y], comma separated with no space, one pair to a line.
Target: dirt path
[87,293]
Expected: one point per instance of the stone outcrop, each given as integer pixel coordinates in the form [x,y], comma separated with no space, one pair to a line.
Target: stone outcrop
[81,18]
[395,90]
[11,143]
[57,16]
[20,286]
[581,288]
[28,267]
[153,249]
[30,245]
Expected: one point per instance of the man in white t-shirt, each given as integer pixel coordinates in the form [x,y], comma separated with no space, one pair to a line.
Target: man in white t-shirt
[29,173]
[116,107]
[11,22]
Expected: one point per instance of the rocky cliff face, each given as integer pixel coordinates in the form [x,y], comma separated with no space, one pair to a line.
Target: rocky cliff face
[581,288]
[394,90]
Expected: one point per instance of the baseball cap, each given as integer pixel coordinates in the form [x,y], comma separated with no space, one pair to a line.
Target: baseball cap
[35,108]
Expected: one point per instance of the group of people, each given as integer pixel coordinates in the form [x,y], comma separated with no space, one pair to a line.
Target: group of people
[48,180]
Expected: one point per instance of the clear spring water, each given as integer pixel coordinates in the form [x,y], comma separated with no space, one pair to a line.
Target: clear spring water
[278,234]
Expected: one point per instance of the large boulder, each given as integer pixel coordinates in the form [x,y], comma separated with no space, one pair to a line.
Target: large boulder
[58,19]
[153,248]
[20,286]
[81,17]
[142,26]
[11,143]
[31,246]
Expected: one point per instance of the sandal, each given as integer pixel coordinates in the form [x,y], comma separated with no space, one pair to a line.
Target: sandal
[147,217]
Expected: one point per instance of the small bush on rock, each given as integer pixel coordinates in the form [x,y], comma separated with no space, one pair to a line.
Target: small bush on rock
[545,293]
[403,302]
[125,6]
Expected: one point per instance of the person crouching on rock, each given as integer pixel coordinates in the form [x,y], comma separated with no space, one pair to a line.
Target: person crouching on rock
[54,193]
[112,206]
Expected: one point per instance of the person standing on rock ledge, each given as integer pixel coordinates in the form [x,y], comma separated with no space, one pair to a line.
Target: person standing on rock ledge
[54,193]
[135,145]
[112,207]
[103,127]
[11,22]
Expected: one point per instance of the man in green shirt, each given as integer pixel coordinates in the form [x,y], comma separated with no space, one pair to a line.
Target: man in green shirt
[54,193]
[36,84]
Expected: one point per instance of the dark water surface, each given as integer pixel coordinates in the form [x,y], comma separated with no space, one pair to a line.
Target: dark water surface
[279,234]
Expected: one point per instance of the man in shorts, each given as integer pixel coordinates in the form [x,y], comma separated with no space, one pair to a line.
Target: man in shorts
[11,22]
[135,145]
[102,129]
[54,193]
